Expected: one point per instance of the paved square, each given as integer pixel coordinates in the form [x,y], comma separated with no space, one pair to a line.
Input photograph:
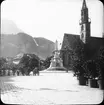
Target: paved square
[55,88]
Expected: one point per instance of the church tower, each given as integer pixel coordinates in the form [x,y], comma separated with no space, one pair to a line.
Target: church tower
[85,23]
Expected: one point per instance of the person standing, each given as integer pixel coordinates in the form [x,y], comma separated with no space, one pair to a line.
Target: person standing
[36,71]
[17,72]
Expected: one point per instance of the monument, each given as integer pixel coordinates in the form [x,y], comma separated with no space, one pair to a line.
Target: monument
[56,61]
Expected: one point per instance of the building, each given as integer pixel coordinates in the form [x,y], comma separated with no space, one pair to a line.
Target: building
[84,45]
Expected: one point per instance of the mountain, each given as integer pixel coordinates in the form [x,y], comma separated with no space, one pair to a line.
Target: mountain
[9,27]
[14,44]
[15,41]
[45,46]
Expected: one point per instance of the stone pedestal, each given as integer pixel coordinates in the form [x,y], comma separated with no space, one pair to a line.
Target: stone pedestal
[56,62]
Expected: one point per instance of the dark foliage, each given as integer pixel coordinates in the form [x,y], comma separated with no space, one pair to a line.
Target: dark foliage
[28,62]
[47,61]
[2,62]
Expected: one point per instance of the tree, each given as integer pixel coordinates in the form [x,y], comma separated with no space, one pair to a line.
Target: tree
[21,68]
[78,59]
[100,62]
[24,63]
[28,62]
[25,60]
[34,61]
[92,69]
[47,61]
[2,63]
[13,67]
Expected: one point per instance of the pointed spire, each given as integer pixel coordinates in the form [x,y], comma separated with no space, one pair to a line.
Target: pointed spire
[84,4]
[56,45]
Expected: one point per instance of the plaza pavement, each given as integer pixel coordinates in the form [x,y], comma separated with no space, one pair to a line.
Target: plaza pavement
[50,88]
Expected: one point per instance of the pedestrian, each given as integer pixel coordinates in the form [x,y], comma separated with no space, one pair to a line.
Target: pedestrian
[36,71]
[13,72]
[4,72]
[1,72]
[67,70]
[8,72]
[17,72]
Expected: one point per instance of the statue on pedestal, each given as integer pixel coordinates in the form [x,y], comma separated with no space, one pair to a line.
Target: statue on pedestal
[56,61]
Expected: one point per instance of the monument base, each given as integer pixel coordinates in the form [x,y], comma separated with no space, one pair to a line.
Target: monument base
[56,61]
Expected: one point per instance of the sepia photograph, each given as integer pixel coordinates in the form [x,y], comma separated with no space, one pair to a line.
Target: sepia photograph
[52,52]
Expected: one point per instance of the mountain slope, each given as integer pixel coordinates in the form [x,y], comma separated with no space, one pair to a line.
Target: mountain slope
[12,45]
[15,41]
[45,46]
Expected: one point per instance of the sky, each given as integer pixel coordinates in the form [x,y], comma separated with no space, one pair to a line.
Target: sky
[52,18]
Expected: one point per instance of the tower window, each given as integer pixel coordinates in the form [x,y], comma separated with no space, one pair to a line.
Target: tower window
[82,35]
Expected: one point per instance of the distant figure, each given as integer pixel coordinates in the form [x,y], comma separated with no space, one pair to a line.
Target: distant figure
[13,72]
[4,72]
[8,72]
[36,71]
[67,70]
[17,72]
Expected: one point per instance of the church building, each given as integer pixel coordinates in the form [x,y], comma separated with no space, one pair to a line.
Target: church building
[83,45]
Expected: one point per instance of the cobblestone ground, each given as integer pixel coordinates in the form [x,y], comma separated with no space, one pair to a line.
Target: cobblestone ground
[56,88]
